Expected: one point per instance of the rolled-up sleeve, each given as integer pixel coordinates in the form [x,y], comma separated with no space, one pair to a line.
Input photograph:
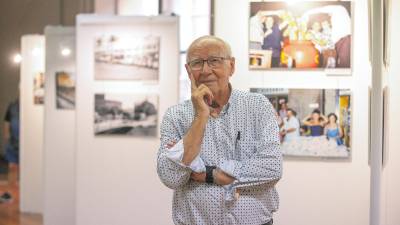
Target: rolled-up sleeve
[264,167]
[172,174]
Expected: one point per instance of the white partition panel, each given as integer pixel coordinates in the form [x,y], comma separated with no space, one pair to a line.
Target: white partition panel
[31,127]
[117,182]
[313,192]
[390,174]
[59,127]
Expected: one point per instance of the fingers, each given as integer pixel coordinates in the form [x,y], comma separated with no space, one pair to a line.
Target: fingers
[206,94]
[193,82]
[171,144]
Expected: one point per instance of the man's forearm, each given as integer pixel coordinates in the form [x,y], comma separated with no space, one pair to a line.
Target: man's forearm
[193,139]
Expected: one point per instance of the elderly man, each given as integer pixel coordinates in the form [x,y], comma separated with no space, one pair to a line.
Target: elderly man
[220,151]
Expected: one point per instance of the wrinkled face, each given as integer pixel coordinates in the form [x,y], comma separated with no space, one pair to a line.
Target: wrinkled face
[316,26]
[216,76]
[269,22]
[315,116]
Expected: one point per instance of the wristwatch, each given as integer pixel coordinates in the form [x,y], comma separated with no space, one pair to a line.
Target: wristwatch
[209,174]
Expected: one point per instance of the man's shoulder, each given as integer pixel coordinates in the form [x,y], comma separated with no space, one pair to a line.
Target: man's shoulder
[180,109]
[249,96]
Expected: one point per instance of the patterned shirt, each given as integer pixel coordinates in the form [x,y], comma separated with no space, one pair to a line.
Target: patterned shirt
[246,133]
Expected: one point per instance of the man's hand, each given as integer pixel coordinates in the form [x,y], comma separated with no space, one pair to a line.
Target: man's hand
[221,178]
[199,177]
[201,97]
[171,144]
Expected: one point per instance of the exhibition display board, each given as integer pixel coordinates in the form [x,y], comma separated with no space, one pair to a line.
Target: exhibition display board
[127,76]
[314,187]
[59,127]
[31,123]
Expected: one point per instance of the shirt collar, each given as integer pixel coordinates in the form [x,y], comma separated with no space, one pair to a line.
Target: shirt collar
[226,107]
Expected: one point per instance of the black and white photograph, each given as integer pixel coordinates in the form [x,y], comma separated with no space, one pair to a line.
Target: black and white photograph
[312,122]
[121,57]
[126,114]
[65,90]
[38,88]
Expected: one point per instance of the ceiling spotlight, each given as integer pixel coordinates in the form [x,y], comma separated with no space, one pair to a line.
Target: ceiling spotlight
[66,52]
[17,58]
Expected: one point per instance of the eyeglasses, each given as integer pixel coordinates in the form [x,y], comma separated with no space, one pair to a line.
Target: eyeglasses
[213,62]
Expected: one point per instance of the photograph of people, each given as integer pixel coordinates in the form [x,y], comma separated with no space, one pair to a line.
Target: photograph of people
[333,130]
[315,35]
[291,126]
[315,122]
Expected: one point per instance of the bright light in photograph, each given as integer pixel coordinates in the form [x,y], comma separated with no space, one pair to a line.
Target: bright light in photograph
[66,52]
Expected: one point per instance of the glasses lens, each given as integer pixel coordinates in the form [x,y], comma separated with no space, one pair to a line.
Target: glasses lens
[196,64]
[215,62]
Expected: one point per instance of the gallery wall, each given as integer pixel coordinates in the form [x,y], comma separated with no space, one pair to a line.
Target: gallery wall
[28,17]
[116,178]
[31,127]
[59,127]
[313,191]
[390,173]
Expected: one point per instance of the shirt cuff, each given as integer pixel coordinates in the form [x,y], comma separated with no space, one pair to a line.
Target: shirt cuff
[230,167]
[175,154]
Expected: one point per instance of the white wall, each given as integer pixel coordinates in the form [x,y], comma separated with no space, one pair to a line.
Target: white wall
[31,127]
[116,178]
[313,192]
[391,178]
[59,133]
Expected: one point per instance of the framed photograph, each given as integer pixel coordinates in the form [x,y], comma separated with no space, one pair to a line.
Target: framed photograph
[119,57]
[307,35]
[38,88]
[126,114]
[313,122]
[65,90]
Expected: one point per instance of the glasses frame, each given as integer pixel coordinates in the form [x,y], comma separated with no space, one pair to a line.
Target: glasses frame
[208,62]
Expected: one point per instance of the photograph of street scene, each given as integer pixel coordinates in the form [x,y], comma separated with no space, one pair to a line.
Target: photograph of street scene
[119,57]
[126,114]
[65,90]
[312,122]
[38,88]
[300,35]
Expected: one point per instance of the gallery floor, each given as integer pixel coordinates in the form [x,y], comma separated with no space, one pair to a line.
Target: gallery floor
[9,212]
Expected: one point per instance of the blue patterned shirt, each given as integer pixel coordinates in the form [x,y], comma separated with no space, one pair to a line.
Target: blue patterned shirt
[244,135]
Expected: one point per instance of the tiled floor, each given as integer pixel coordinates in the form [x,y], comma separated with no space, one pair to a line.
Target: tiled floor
[9,212]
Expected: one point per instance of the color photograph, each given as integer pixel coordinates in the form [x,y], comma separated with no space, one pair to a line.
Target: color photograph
[119,57]
[126,114]
[312,122]
[300,35]
[65,90]
[38,88]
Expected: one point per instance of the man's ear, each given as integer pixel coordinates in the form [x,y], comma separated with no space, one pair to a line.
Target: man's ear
[187,69]
[232,63]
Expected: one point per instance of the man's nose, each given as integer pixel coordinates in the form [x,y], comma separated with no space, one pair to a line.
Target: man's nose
[206,67]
